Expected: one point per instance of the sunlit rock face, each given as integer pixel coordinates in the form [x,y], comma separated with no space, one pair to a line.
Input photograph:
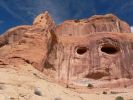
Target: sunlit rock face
[28,44]
[98,48]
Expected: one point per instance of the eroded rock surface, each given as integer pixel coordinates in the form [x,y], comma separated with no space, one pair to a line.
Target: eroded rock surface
[28,44]
[92,25]
[98,48]
[27,83]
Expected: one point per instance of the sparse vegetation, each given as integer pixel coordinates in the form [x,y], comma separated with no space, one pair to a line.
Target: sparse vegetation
[90,85]
[104,92]
[119,98]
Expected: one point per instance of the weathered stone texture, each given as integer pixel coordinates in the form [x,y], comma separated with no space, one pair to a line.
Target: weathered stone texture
[95,56]
[97,48]
[97,23]
[27,44]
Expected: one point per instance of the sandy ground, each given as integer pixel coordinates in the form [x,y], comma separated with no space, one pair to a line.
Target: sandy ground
[29,84]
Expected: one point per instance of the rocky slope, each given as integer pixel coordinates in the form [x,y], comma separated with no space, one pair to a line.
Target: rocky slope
[27,83]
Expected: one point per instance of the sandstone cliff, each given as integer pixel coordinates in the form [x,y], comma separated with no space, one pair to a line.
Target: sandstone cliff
[98,48]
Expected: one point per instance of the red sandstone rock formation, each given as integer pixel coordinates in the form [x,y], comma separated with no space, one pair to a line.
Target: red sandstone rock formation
[97,23]
[97,48]
[28,44]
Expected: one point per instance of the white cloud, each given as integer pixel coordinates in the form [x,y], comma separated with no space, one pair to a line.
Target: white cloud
[132,29]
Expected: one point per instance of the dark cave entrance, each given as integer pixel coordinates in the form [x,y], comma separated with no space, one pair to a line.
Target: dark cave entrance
[110,49]
[81,50]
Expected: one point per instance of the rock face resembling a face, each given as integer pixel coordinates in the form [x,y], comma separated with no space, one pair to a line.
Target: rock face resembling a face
[98,48]
[95,56]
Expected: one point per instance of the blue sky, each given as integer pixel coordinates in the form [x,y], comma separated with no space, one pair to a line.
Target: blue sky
[22,12]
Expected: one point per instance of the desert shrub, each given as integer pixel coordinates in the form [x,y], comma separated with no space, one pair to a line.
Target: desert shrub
[104,92]
[90,85]
[119,98]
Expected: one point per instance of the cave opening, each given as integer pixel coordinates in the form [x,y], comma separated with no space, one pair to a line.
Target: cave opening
[110,49]
[81,50]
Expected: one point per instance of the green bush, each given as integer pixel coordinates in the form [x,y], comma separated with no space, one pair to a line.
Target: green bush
[119,98]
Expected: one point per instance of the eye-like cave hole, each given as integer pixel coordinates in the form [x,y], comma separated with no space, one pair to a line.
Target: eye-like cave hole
[81,50]
[110,49]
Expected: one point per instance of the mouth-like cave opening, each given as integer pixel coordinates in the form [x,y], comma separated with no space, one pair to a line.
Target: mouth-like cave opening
[81,50]
[110,49]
